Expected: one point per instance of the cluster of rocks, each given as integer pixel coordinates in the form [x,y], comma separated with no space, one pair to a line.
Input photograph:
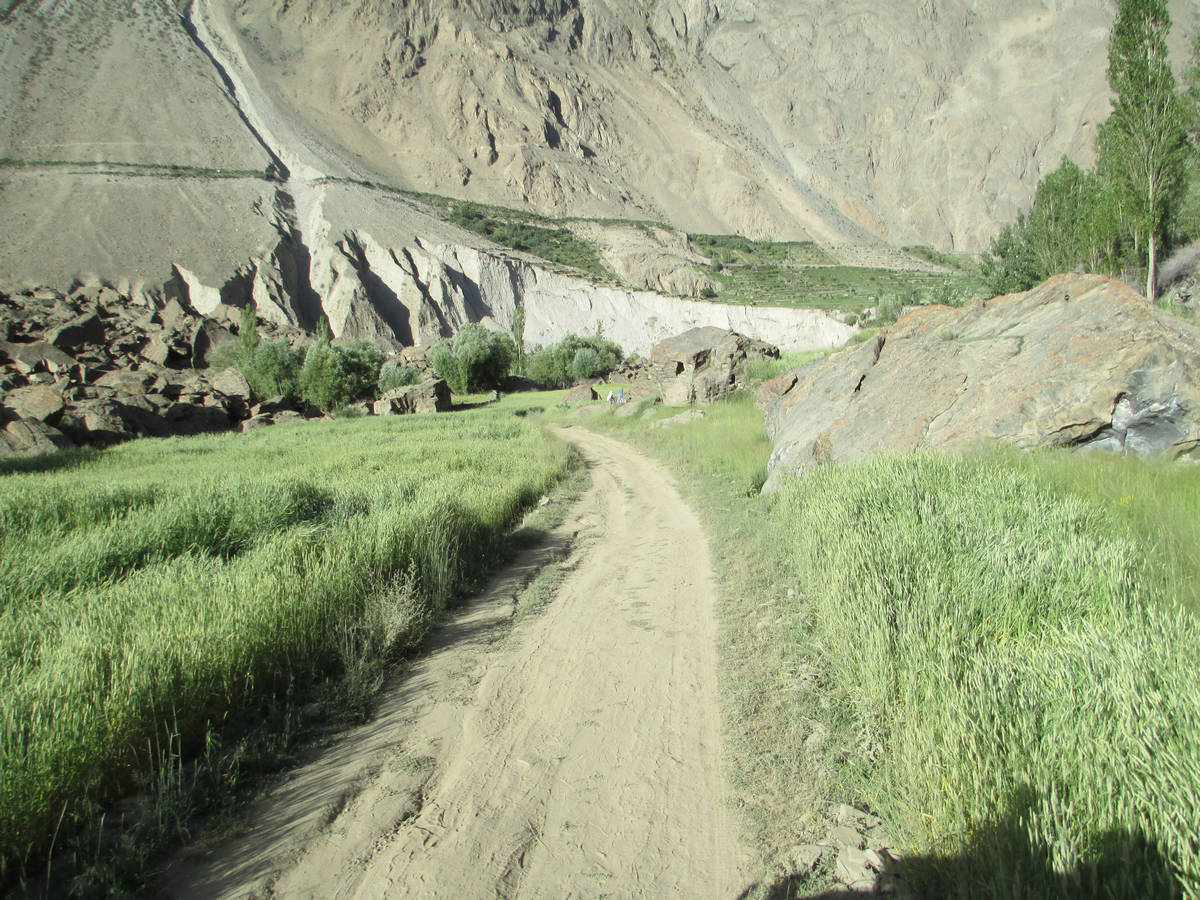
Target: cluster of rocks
[1079,361]
[699,366]
[96,366]
[427,397]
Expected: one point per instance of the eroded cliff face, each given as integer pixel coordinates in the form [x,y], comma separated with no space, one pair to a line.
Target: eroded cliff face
[418,294]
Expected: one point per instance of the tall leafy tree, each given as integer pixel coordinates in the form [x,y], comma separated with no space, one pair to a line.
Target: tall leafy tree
[1143,145]
[1074,222]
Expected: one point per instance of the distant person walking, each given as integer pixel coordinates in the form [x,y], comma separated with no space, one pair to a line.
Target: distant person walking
[620,396]
[610,397]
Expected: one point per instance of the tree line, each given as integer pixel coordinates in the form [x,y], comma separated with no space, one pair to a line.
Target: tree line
[1143,196]
[332,377]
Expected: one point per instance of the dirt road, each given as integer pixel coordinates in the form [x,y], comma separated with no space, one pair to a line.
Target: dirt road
[577,754]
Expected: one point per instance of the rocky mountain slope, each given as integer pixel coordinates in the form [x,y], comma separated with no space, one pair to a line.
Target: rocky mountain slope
[221,153]
[845,122]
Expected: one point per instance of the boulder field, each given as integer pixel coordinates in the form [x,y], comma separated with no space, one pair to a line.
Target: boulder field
[96,367]
[1079,361]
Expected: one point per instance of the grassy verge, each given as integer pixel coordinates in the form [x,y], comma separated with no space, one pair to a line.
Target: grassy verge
[987,651]
[850,289]
[150,593]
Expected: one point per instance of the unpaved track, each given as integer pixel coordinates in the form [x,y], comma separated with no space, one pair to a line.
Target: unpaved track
[577,755]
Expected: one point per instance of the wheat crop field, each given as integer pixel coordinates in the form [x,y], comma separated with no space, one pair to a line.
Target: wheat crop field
[149,591]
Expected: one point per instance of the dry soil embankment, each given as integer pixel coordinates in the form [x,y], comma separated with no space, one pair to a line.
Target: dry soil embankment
[578,754]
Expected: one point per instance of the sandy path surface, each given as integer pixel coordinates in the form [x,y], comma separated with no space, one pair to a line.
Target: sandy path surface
[577,754]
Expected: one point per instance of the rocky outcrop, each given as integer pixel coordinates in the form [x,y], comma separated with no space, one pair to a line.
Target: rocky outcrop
[429,397]
[582,393]
[704,364]
[1079,361]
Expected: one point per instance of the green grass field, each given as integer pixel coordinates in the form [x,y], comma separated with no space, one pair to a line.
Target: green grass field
[801,274]
[996,653]
[150,592]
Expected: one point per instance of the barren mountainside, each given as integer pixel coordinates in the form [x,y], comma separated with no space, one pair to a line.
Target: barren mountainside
[842,121]
[251,150]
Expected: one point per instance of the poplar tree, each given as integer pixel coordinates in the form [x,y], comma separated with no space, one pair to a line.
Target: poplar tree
[1143,144]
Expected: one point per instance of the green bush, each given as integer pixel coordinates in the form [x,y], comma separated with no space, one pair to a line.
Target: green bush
[1076,220]
[393,374]
[271,368]
[274,369]
[587,364]
[475,360]
[336,375]
[573,358]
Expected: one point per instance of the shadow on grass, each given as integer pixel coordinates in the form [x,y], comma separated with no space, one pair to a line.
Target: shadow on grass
[49,462]
[1002,861]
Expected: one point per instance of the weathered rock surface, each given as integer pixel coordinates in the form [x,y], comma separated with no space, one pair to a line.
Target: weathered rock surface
[844,121]
[29,438]
[1078,361]
[127,377]
[583,393]
[428,397]
[704,364]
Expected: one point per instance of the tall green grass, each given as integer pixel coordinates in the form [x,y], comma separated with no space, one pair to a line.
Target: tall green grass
[154,589]
[1028,705]
[993,652]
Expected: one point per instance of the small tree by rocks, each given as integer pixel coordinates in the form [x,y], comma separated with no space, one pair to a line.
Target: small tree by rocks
[475,360]
[1143,145]
[586,364]
[395,374]
[573,358]
[271,368]
[336,375]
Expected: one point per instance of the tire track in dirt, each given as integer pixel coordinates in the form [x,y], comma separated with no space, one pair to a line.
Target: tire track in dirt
[576,755]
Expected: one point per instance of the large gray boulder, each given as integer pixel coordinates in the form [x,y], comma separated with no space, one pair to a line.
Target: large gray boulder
[1079,361]
[38,402]
[430,396]
[704,364]
[30,438]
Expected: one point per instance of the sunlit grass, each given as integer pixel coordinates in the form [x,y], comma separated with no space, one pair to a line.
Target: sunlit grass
[154,588]
[993,652]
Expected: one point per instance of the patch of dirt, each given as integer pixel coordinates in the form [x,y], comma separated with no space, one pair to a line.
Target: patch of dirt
[577,753]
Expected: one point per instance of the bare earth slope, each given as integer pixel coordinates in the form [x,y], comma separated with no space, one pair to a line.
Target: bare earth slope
[847,121]
[579,757]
